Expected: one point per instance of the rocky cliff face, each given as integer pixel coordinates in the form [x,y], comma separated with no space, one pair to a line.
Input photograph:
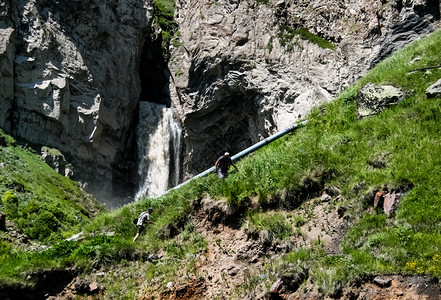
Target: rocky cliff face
[249,68]
[70,79]
[72,72]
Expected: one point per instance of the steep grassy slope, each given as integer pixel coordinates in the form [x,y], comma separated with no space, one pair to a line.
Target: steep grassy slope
[38,203]
[398,149]
[42,203]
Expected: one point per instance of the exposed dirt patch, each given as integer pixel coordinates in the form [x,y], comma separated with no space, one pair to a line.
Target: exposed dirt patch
[400,287]
[325,222]
[232,255]
[393,287]
[194,289]
[229,255]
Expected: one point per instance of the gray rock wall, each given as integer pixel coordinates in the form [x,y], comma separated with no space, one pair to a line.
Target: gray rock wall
[246,79]
[70,79]
[7,55]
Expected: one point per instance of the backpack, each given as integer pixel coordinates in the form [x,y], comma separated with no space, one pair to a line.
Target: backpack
[224,163]
[135,221]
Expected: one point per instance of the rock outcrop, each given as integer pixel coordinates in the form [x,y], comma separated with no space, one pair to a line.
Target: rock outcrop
[72,73]
[56,161]
[373,99]
[434,90]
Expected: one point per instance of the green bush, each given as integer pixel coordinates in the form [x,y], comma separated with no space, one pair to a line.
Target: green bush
[95,247]
[29,207]
[63,249]
[164,17]
[5,249]
[39,225]
[288,34]
[10,203]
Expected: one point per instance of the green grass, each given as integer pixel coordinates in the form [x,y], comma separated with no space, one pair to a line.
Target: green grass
[334,148]
[275,223]
[42,203]
[287,37]
[164,18]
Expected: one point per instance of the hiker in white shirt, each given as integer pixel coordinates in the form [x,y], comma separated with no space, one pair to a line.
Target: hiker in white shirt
[143,217]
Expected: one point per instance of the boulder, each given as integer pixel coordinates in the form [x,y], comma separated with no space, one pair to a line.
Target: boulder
[94,288]
[278,287]
[390,204]
[382,282]
[325,197]
[289,280]
[434,91]
[373,99]
[387,201]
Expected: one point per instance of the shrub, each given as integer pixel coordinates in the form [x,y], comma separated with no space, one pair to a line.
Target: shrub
[10,203]
[5,249]
[94,247]
[39,225]
[164,17]
[63,249]
[287,34]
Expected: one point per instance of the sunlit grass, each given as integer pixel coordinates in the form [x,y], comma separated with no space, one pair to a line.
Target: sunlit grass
[276,223]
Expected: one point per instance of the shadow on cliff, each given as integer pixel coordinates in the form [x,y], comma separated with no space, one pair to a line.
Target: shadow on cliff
[414,23]
[230,111]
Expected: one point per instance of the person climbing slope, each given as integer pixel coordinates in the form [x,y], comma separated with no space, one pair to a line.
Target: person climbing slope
[143,217]
[222,164]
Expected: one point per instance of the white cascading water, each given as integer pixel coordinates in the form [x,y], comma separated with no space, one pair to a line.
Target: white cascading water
[158,139]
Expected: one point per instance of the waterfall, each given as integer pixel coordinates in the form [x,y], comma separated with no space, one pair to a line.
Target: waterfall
[158,139]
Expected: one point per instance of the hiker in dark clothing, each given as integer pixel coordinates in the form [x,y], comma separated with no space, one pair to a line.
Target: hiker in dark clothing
[222,165]
[143,217]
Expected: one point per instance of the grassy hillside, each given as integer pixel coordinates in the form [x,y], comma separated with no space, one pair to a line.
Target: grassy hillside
[399,149]
[36,201]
